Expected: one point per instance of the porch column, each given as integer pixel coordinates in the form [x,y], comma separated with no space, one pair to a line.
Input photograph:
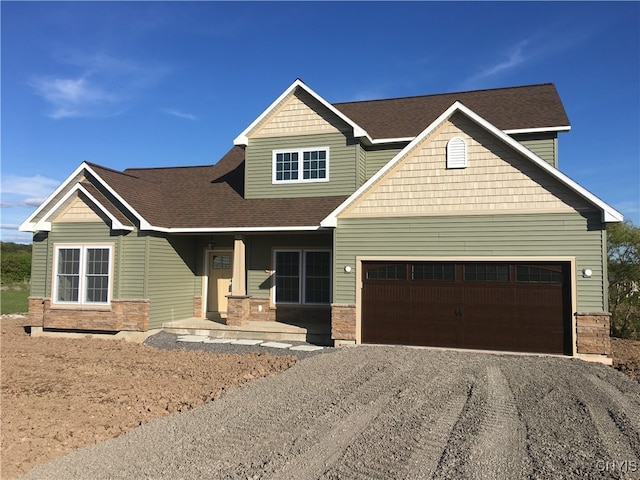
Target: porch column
[239,282]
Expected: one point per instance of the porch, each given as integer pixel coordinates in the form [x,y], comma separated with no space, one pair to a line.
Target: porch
[310,331]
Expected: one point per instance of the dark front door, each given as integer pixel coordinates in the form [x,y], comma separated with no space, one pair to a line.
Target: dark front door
[480,305]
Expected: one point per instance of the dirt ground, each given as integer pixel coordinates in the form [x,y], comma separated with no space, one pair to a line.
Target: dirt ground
[58,395]
[61,394]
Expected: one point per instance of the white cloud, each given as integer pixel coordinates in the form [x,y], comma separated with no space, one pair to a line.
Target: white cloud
[515,57]
[72,97]
[179,114]
[36,188]
[103,87]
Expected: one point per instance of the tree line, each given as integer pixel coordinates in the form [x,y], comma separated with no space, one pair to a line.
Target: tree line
[15,262]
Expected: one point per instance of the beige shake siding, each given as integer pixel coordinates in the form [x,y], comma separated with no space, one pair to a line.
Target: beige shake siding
[497,179]
[460,237]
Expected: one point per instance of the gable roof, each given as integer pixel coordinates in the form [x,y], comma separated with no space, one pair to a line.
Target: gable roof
[524,109]
[191,199]
[609,214]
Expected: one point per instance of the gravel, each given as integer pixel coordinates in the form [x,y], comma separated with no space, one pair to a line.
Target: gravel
[170,341]
[390,412]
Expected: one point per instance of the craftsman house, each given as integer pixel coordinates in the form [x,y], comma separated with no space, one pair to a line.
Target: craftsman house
[437,220]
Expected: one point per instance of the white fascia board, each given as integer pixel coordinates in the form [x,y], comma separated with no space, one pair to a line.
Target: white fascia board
[514,131]
[243,139]
[29,224]
[609,213]
[44,225]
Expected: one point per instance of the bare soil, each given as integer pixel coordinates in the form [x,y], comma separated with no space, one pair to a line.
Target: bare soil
[60,394]
[626,357]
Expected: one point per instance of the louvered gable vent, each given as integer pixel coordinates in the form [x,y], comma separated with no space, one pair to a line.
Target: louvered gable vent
[456,153]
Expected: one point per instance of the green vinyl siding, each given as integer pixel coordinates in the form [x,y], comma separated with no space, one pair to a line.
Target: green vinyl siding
[342,167]
[541,235]
[545,145]
[379,157]
[133,251]
[171,278]
[40,269]
[259,250]
[362,166]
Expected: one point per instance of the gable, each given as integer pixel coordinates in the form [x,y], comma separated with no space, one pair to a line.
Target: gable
[78,210]
[298,114]
[497,179]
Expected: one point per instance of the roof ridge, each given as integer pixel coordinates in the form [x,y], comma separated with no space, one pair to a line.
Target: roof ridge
[444,93]
[170,167]
[112,170]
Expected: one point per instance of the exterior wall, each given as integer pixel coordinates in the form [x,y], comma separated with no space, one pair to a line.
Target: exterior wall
[545,145]
[343,322]
[497,179]
[459,237]
[259,163]
[40,266]
[172,279]
[378,157]
[259,250]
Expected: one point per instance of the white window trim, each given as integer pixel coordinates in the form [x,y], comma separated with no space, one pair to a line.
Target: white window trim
[456,159]
[300,152]
[302,275]
[82,280]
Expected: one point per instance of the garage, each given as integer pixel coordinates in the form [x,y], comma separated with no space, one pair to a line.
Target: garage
[510,306]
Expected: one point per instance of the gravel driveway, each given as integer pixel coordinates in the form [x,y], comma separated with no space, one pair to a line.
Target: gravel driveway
[391,412]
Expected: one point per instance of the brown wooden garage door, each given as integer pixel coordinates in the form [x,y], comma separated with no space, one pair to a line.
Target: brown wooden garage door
[523,307]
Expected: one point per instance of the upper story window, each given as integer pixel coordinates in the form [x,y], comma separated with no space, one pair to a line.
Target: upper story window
[301,165]
[83,274]
[457,153]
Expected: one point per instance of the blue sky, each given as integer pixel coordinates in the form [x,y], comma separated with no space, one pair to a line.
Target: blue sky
[135,84]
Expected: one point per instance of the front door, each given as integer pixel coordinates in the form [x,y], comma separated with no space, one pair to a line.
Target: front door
[220,274]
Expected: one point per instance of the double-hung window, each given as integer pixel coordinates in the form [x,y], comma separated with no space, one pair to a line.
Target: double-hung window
[83,274]
[302,276]
[301,165]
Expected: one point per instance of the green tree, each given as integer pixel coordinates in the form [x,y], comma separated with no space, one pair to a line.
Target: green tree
[623,245]
[15,262]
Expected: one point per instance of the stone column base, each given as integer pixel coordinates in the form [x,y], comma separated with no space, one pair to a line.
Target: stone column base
[592,333]
[238,310]
[343,322]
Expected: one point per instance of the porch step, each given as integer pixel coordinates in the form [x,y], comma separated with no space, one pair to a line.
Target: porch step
[273,331]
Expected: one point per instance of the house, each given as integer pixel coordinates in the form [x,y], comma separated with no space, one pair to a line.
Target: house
[438,220]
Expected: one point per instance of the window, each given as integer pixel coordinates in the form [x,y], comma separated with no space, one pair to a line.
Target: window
[397,271]
[456,153]
[221,262]
[486,272]
[539,274]
[82,274]
[303,276]
[434,271]
[302,165]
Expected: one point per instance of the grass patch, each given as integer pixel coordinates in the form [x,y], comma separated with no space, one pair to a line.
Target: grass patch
[14,298]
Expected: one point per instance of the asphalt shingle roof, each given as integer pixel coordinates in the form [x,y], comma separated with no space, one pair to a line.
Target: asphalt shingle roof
[212,196]
[532,106]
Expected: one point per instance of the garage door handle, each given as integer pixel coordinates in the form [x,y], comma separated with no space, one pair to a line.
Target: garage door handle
[459,312]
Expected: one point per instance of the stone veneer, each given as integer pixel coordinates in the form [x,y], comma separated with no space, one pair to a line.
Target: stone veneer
[238,309]
[242,309]
[592,333]
[197,306]
[120,315]
[343,322]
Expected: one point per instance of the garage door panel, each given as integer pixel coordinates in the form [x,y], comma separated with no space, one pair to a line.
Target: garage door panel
[494,306]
